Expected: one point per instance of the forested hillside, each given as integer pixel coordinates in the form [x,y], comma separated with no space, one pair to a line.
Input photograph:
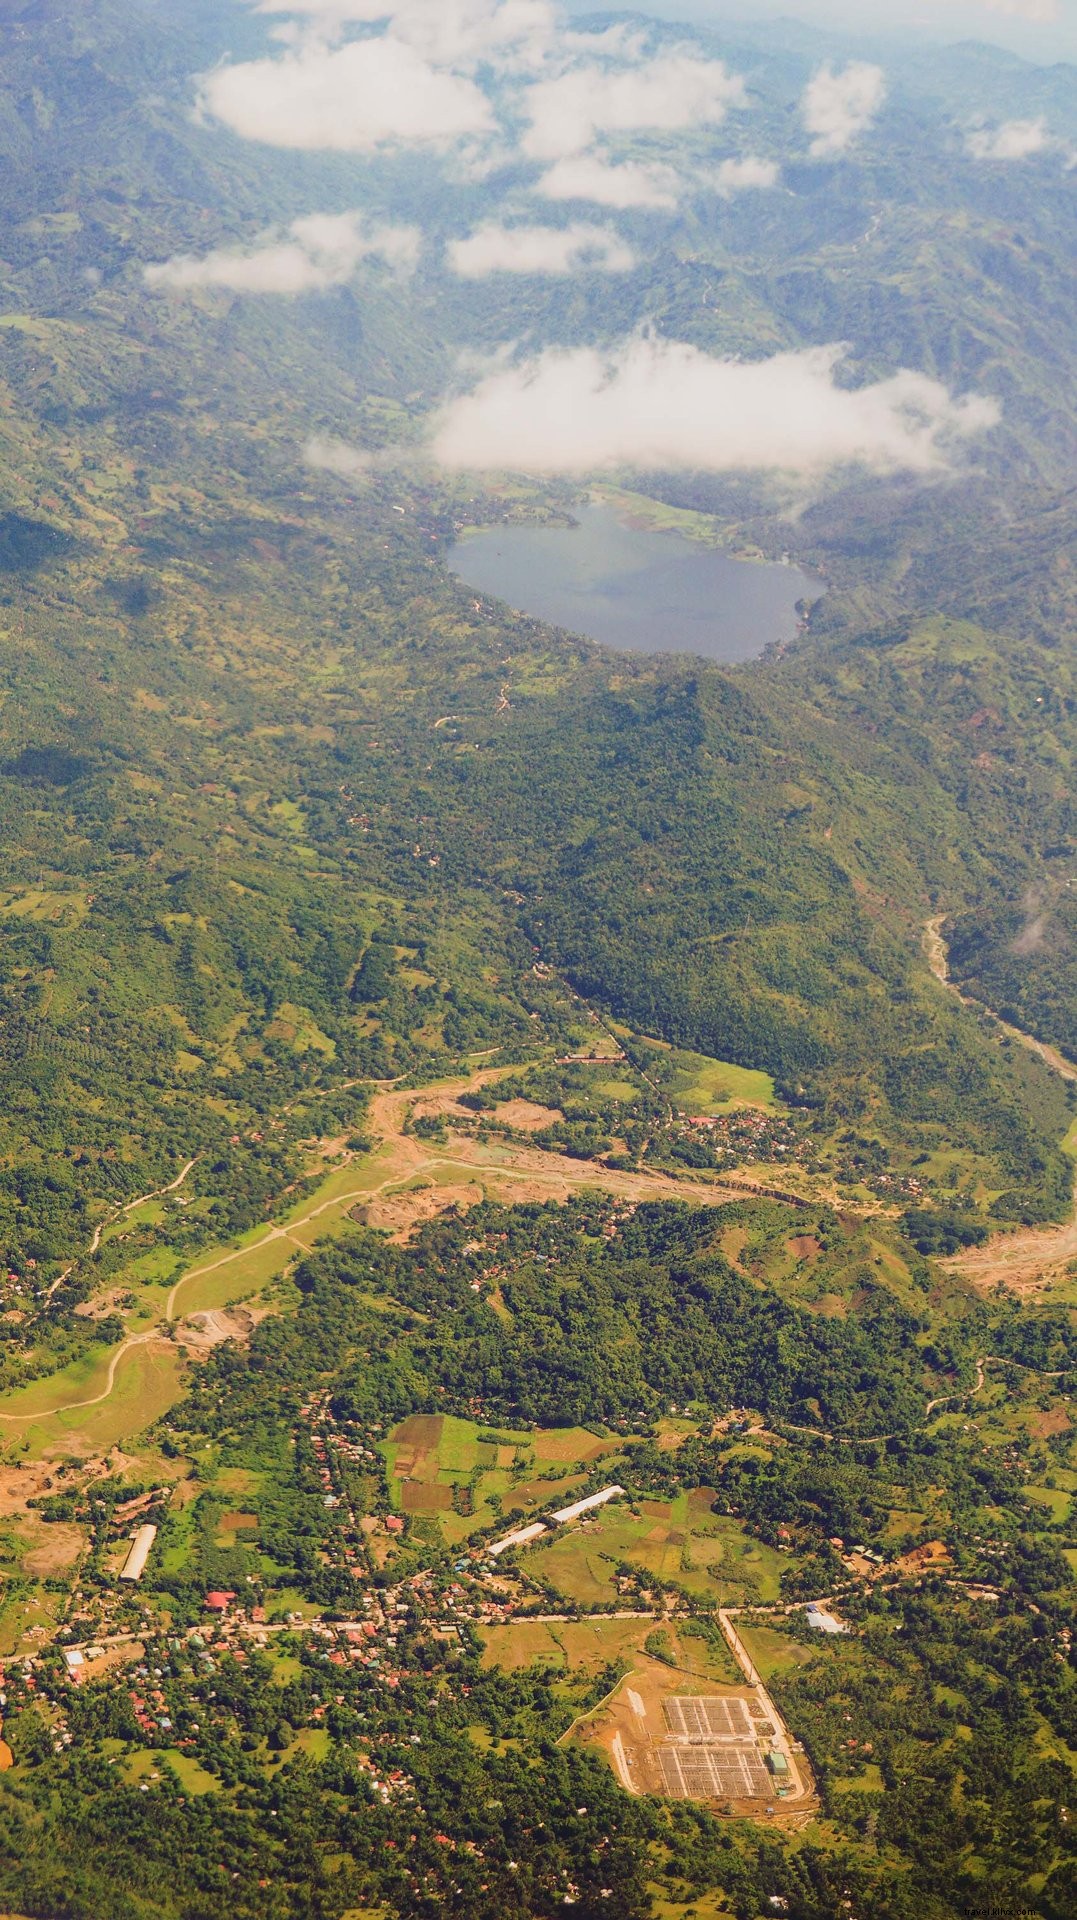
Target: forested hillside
[447,1067]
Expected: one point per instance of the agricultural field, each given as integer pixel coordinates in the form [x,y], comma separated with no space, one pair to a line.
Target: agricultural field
[677,1544]
[582,1647]
[778,1650]
[468,1476]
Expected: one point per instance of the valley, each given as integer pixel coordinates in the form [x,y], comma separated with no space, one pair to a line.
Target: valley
[538,1297]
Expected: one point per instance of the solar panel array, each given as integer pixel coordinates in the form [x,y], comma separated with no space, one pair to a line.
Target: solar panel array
[715,1773]
[713,1719]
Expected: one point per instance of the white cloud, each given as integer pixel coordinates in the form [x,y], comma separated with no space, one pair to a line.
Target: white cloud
[671,92]
[586,176]
[539,250]
[837,107]
[326,455]
[661,405]
[322,250]
[738,176]
[1014,140]
[353,98]
[453,33]
[513,36]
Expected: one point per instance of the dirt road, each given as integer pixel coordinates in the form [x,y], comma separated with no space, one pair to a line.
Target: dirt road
[1030,1259]
[75,1406]
[938,959]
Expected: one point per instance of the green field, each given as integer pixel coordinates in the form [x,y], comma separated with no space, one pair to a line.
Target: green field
[678,1542]
[701,1085]
[428,1456]
[1057,1502]
[51,1413]
[192,1777]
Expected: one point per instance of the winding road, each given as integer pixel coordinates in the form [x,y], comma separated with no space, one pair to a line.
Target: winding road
[388,1112]
[1026,1260]
[75,1406]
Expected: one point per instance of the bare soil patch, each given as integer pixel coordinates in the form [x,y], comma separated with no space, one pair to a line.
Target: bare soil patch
[421,1431]
[932,1556]
[1024,1262]
[571,1446]
[57,1547]
[441,1106]
[829,1306]
[20,1484]
[803,1246]
[419,1497]
[113,1657]
[399,1214]
[101,1305]
[1042,1425]
[331,1149]
[526,1116]
[203,1331]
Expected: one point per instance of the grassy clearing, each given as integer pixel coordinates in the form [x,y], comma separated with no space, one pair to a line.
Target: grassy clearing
[702,1085]
[617,1090]
[77,1401]
[1057,1501]
[707,1906]
[775,1651]
[286,1667]
[192,1777]
[148,1381]
[870,1780]
[673,1542]
[147,1766]
[523,1643]
[654,516]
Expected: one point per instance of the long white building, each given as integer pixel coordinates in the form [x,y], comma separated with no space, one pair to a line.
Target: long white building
[135,1564]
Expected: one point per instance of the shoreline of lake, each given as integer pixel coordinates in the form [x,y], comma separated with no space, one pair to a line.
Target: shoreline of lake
[637,590]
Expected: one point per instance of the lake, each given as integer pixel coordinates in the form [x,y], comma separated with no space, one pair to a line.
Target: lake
[638,591]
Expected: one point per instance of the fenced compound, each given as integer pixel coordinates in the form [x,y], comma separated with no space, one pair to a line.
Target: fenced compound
[709,1718]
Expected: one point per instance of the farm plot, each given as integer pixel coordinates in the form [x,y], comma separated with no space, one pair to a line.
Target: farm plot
[678,1543]
[465,1474]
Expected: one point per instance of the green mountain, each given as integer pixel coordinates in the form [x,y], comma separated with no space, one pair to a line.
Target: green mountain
[296,827]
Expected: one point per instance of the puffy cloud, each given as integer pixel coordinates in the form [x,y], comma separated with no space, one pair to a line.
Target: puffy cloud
[738,176]
[322,250]
[586,176]
[837,107]
[453,33]
[523,36]
[661,405]
[1014,140]
[670,92]
[355,98]
[543,250]
[326,455]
